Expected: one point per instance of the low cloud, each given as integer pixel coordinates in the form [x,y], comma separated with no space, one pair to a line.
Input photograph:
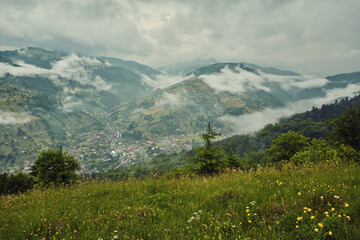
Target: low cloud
[240,81]
[69,104]
[237,81]
[71,67]
[13,118]
[172,99]
[249,123]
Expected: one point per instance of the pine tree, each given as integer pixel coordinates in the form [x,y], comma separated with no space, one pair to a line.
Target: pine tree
[208,158]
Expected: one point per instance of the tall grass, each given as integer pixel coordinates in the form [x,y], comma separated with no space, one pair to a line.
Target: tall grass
[309,202]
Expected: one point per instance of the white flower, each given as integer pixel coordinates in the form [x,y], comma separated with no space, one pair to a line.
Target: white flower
[115,237]
[337,197]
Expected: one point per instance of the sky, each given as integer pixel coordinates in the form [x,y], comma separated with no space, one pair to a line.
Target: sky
[306,36]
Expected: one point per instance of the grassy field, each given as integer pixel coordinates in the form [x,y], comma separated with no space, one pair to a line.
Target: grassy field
[309,202]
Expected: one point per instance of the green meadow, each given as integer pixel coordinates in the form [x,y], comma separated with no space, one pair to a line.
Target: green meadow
[320,201]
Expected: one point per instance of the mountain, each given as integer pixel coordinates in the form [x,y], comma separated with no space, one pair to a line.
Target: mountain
[183,68]
[95,105]
[221,93]
[47,98]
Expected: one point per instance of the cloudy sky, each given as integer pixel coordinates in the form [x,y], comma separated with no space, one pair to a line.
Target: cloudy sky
[307,36]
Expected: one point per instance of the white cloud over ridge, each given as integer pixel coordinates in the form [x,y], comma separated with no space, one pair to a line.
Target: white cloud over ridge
[249,123]
[172,99]
[13,118]
[240,81]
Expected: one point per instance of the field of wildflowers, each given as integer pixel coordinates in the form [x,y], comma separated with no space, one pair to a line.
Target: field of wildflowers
[320,201]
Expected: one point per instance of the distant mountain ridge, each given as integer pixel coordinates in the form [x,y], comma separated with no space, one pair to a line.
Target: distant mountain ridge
[48,97]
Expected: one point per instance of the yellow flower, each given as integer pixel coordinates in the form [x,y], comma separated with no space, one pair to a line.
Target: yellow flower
[326,213]
[247,210]
[348,218]
[333,209]
[249,221]
[309,210]
[320,225]
[316,230]
[330,233]
[321,197]
[312,217]
[346,205]
[339,215]
[299,218]
[299,193]
[297,226]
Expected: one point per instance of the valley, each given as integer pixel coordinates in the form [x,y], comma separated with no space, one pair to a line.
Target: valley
[110,113]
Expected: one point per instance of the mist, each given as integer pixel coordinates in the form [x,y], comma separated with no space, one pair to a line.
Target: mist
[13,118]
[249,123]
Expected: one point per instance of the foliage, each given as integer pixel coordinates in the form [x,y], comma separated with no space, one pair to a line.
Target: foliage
[15,183]
[285,146]
[320,150]
[55,168]
[346,128]
[295,202]
[208,159]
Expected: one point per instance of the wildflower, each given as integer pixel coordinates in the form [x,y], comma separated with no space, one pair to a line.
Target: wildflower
[297,226]
[330,233]
[321,197]
[336,197]
[320,225]
[249,221]
[316,230]
[312,217]
[299,218]
[115,237]
[346,205]
[339,215]
[280,183]
[115,231]
[247,210]
[299,193]
[309,210]
[75,231]
[348,218]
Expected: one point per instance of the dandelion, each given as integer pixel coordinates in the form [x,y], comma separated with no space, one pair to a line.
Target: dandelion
[348,218]
[320,225]
[321,197]
[330,233]
[312,217]
[316,230]
[247,210]
[346,205]
[339,215]
[299,193]
[249,221]
[297,226]
[309,210]
[299,218]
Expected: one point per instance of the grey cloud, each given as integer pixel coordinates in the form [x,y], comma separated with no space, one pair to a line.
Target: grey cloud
[172,99]
[305,36]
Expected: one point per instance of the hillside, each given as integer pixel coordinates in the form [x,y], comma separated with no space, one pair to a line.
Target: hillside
[94,105]
[48,98]
[319,201]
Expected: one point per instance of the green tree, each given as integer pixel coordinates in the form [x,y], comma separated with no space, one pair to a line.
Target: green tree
[320,150]
[55,168]
[346,128]
[209,159]
[286,145]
